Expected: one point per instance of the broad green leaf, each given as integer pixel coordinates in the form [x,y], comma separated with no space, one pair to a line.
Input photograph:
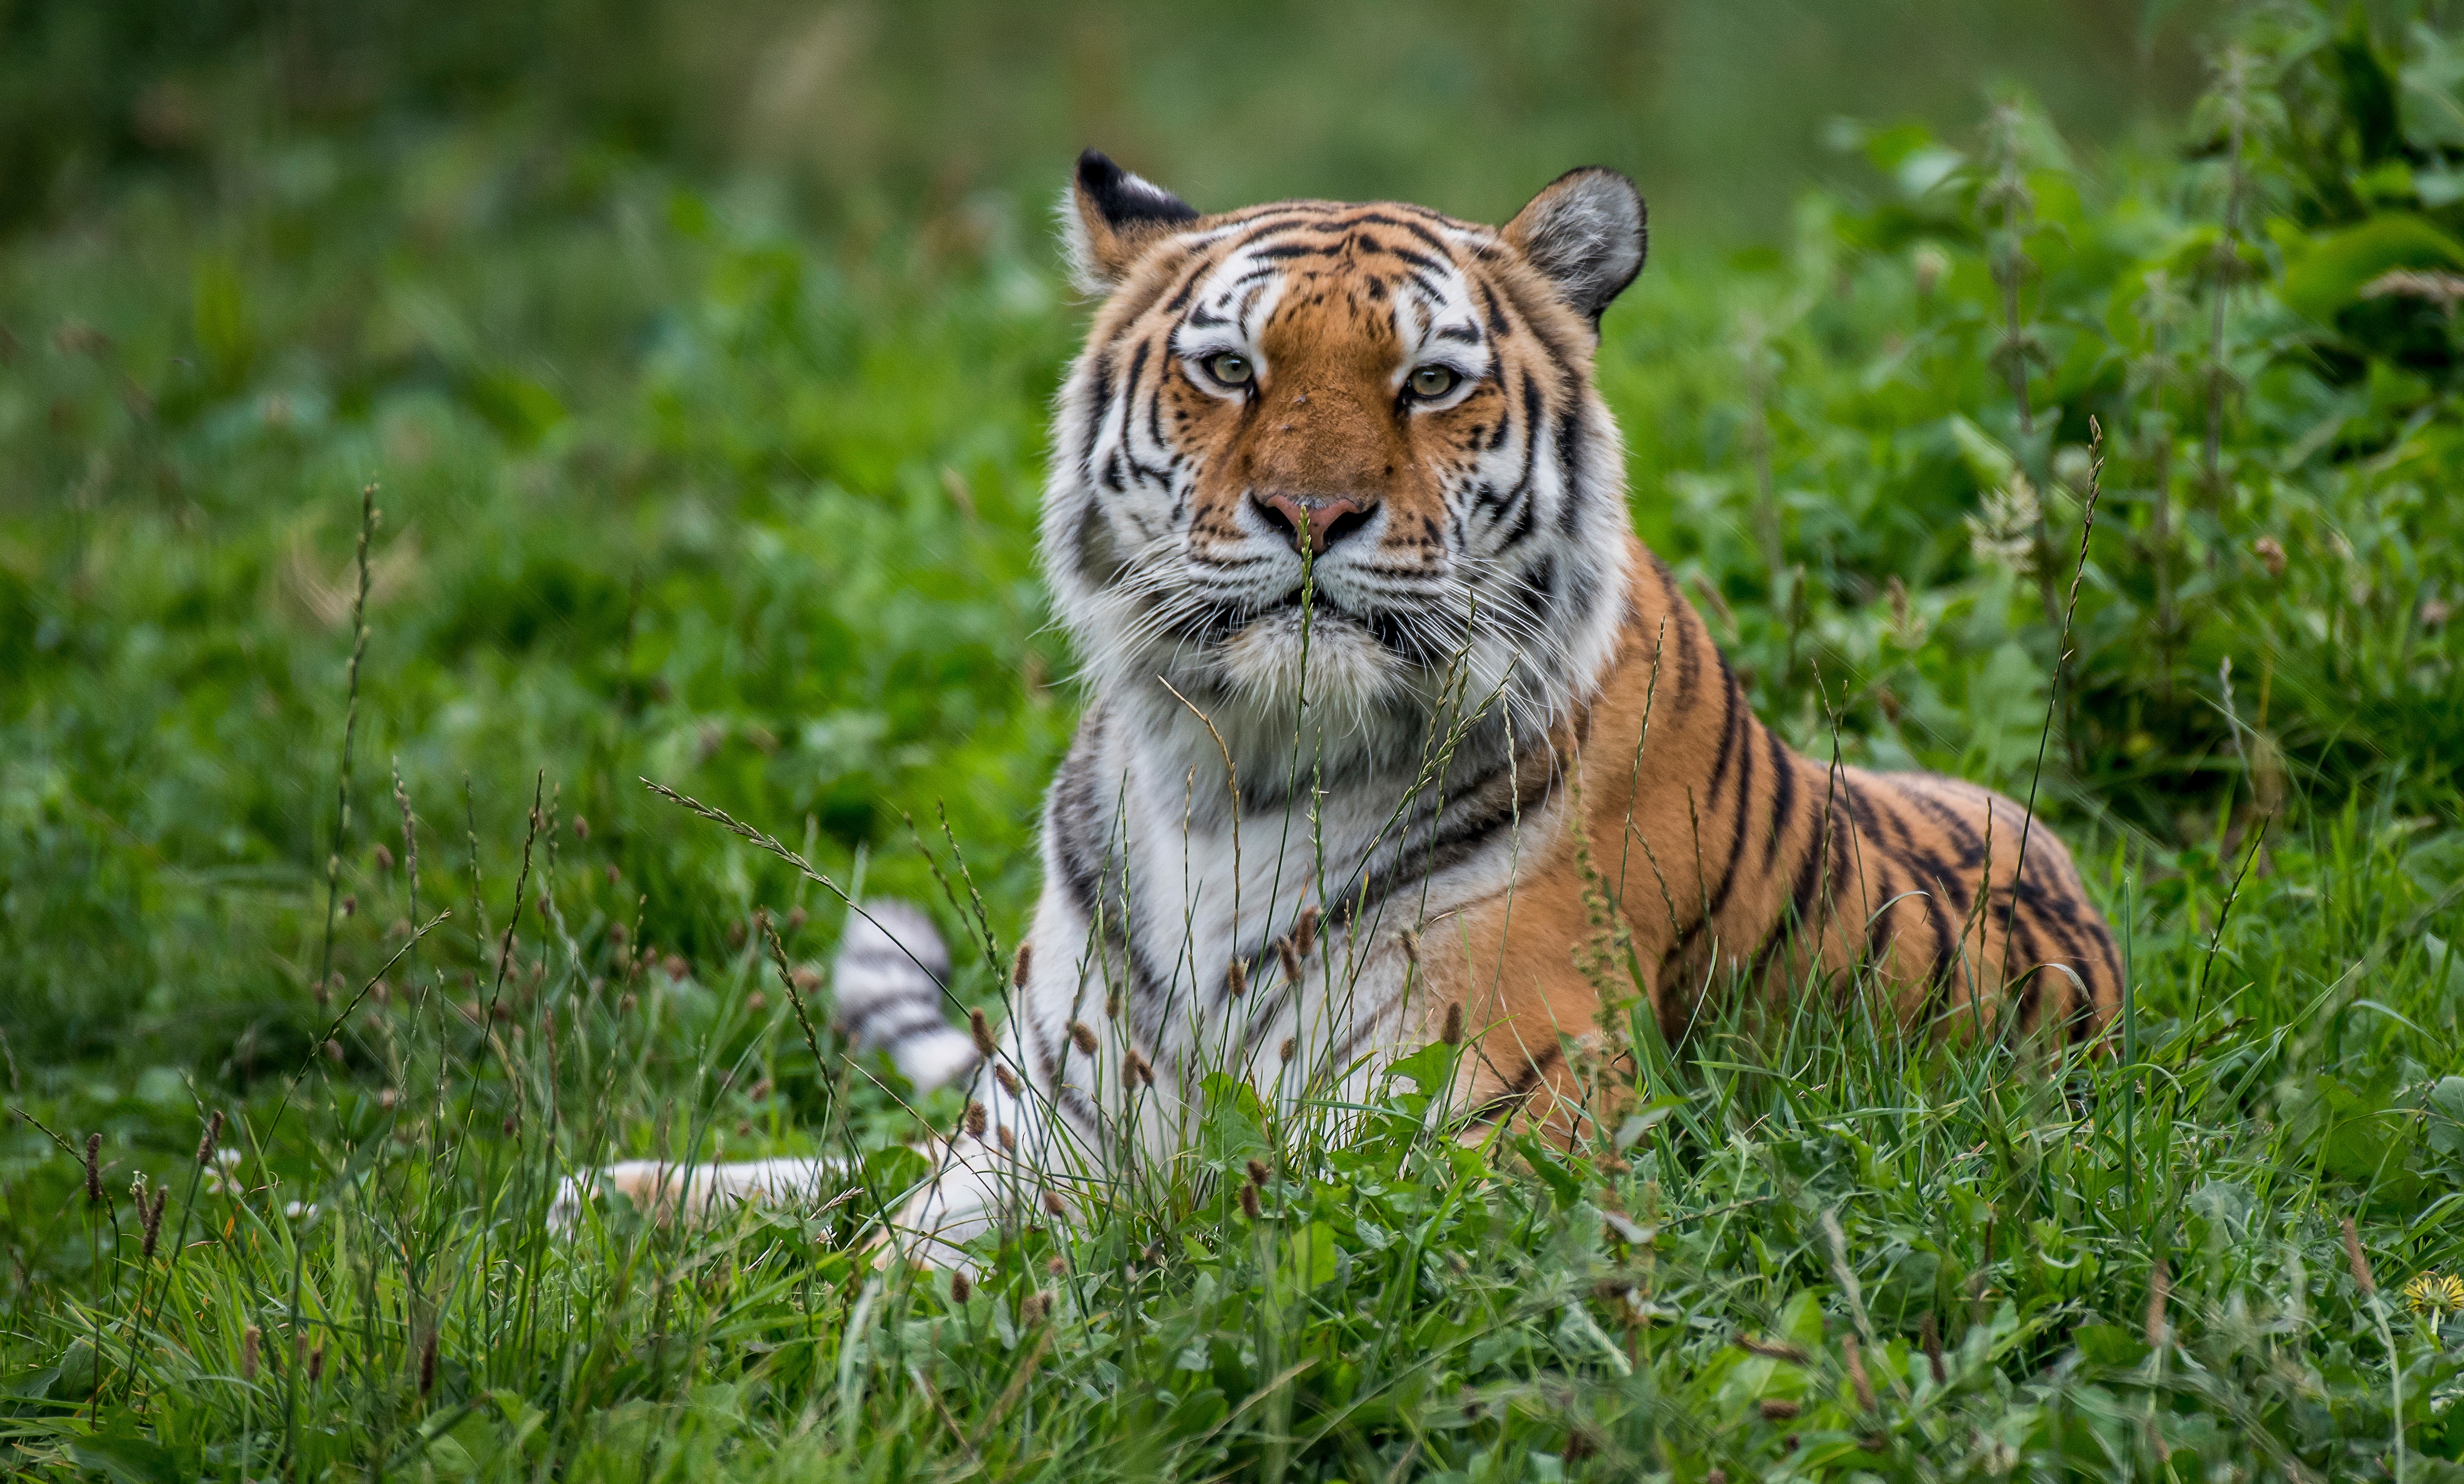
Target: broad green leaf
[2328,274]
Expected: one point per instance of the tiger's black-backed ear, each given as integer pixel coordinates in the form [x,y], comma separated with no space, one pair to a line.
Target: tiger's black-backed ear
[1587,231]
[1109,217]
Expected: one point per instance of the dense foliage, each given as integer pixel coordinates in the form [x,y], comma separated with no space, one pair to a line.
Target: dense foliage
[667,490]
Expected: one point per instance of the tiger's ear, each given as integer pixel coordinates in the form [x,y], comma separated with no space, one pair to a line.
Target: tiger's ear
[1109,217]
[1587,234]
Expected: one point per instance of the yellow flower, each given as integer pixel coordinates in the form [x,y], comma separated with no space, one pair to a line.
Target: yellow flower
[2433,1295]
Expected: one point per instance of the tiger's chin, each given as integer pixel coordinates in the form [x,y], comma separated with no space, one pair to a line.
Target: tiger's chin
[1333,662]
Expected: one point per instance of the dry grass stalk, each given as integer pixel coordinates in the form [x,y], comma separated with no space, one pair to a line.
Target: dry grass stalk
[2160,1289]
[1772,1349]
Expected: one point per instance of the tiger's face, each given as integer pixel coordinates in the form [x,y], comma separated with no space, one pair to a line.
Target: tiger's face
[1346,455]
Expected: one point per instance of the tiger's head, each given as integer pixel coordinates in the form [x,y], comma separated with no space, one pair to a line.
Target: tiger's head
[1351,454]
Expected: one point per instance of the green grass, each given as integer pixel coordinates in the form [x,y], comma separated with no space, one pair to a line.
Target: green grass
[667,492]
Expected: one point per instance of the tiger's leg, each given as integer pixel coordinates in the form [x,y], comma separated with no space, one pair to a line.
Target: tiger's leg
[1043,1122]
[1517,965]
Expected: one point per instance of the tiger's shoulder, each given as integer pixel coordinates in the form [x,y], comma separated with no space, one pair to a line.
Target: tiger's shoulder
[1739,864]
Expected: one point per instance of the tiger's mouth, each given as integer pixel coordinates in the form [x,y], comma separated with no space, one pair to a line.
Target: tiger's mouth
[1316,615]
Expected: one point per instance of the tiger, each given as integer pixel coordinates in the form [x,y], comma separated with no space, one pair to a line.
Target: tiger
[1395,731]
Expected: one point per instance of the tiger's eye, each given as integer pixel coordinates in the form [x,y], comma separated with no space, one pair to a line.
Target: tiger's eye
[1433,381]
[1230,369]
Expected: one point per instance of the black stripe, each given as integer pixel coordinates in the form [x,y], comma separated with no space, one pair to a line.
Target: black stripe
[1796,914]
[1783,796]
[1576,497]
[1047,1057]
[1745,808]
[1100,406]
[1381,219]
[1137,372]
[1078,1108]
[1198,270]
[1882,904]
[1972,849]
[1497,327]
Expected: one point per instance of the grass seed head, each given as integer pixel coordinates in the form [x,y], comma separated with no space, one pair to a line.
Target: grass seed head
[1453,1033]
[1053,1203]
[983,1030]
[1289,952]
[2358,1261]
[581,828]
[976,1120]
[385,857]
[2271,555]
[154,1223]
[1929,1335]
[1082,1037]
[1772,1349]
[1009,1140]
[94,1169]
[249,1339]
[1008,1078]
[427,1362]
[960,1290]
[1857,1376]
[1258,1172]
[1249,1207]
[1778,1408]
[1305,931]
[1023,966]
[1135,1070]
[1236,979]
[1291,1047]
[316,1365]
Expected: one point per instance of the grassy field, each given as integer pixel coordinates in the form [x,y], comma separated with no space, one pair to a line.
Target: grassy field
[371,524]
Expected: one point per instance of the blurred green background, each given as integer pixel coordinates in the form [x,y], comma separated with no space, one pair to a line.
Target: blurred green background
[698,359]
[860,115]
[676,336]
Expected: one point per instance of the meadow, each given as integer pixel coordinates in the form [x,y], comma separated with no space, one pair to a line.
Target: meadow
[371,531]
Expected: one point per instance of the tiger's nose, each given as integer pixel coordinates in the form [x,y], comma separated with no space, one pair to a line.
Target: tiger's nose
[1328,519]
